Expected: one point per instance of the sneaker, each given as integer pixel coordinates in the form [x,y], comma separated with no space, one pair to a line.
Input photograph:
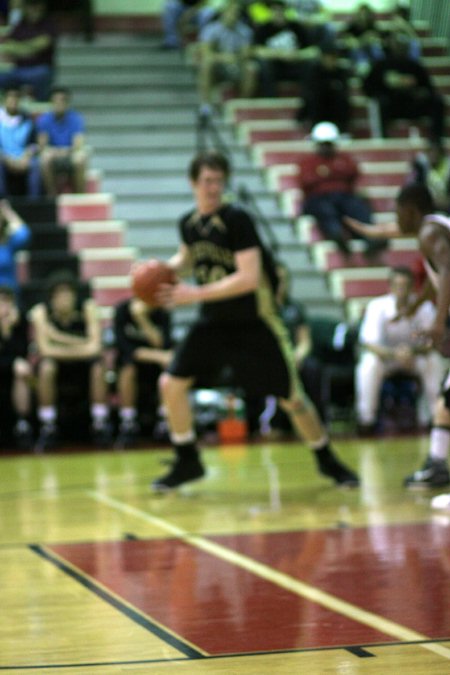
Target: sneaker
[48,438]
[23,435]
[128,435]
[441,502]
[341,475]
[102,435]
[182,471]
[434,473]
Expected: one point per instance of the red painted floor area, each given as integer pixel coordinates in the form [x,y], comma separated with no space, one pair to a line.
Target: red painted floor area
[400,572]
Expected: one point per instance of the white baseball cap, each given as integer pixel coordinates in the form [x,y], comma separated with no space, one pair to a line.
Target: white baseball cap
[325,132]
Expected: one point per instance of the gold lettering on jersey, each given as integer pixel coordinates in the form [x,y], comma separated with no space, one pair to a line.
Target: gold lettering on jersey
[201,250]
[205,227]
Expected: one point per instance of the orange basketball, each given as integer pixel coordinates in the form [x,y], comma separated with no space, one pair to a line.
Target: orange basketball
[147,278]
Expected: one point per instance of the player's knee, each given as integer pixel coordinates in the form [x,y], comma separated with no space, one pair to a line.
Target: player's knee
[22,369]
[170,387]
[47,368]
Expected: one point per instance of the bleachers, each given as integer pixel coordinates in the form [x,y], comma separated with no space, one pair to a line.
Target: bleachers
[277,142]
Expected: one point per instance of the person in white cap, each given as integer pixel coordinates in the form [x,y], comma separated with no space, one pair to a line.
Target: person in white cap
[328,179]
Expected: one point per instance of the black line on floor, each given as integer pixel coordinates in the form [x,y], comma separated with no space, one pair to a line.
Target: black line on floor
[129,612]
[215,657]
[360,652]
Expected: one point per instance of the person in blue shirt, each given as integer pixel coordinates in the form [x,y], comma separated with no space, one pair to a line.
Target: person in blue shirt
[61,139]
[19,162]
[14,236]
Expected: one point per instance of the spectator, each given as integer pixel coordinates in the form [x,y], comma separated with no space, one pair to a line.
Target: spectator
[223,55]
[14,236]
[315,17]
[403,89]
[30,47]
[178,14]
[69,345]
[326,91]
[281,50]
[15,370]
[328,180]
[142,340]
[19,163]
[362,38]
[390,344]
[432,169]
[11,11]
[61,139]
[400,24]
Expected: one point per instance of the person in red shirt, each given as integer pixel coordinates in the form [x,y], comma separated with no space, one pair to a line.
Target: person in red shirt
[328,181]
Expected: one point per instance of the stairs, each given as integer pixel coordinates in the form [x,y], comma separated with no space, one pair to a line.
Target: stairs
[140,108]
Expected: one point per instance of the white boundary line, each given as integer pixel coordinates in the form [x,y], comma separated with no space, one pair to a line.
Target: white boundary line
[280,579]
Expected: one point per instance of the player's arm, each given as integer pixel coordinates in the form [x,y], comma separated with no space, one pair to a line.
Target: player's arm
[245,279]
[303,343]
[51,342]
[377,231]
[93,342]
[42,334]
[51,333]
[181,261]
[435,245]
[162,357]
[153,334]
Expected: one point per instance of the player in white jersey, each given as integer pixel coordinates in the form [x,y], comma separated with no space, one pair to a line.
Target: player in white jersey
[415,218]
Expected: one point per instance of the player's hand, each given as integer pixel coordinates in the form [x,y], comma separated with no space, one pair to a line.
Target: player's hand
[436,337]
[356,225]
[172,295]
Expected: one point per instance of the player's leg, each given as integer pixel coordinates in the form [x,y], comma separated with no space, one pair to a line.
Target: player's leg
[187,465]
[308,426]
[369,375]
[47,371]
[98,390]
[196,359]
[435,471]
[269,343]
[21,398]
[127,389]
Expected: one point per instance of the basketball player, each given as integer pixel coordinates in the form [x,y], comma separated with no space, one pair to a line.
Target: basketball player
[238,325]
[415,217]
[68,339]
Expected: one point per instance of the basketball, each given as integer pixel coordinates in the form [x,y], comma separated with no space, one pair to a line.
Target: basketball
[147,278]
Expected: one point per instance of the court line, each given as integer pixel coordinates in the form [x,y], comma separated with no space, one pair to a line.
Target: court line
[131,612]
[300,588]
[215,657]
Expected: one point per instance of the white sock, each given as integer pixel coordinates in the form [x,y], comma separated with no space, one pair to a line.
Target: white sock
[99,412]
[127,414]
[439,443]
[47,414]
[182,439]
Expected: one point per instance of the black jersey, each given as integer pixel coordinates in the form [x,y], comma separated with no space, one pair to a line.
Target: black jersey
[128,334]
[75,325]
[16,344]
[213,241]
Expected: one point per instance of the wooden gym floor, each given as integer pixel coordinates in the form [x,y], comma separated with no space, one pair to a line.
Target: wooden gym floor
[264,567]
